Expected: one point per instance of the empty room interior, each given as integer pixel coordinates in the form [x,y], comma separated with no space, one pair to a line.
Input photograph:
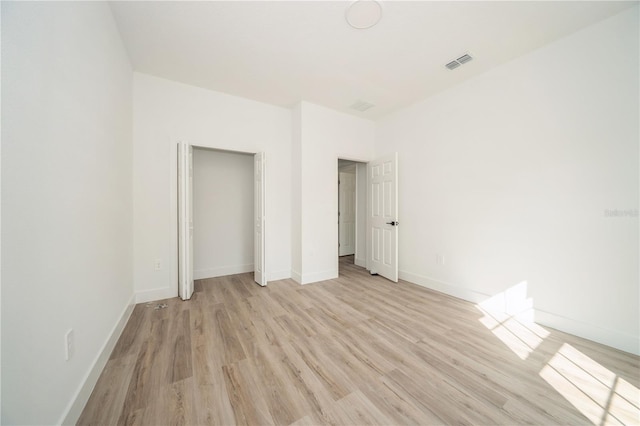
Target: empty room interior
[320,212]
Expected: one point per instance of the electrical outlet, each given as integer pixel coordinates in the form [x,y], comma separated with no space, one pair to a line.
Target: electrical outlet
[157,264]
[69,344]
[439,259]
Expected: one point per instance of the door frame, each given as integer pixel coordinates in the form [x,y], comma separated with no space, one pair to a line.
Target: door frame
[337,194]
[343,176]
[173,206]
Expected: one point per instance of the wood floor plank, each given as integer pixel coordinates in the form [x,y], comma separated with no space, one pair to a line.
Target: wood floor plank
[332,376]
[273,384]
[310,325]
[133,333]
[147,373]
[210,393]
[212,404]
[438,396]
[357,349]
[357,409]
[399,410]
[313,395]
[248,404]
[180,348]
[111,391]
[225,336]
[175,405]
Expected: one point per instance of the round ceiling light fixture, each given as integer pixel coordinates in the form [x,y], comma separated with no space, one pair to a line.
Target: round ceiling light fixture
[363,14]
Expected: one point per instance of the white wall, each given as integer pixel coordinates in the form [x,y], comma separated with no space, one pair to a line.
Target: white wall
[509,176]
[67,203]
[166,112]
[321,136]
[222,213]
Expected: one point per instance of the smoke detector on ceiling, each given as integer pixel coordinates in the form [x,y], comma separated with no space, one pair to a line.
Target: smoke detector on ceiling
[363,14]
[460,61]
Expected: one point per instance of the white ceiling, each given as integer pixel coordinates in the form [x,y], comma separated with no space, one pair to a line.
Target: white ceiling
[281,52]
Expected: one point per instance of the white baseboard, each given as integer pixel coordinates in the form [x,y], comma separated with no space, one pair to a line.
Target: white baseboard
[360,262]
[318,276]
[279,275]
[222,271]
[443,287]
[77,404]
[156,294]
[314,277]
[615,339]
[623,341]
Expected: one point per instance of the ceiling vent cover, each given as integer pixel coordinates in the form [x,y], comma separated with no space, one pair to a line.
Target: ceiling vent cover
[460,61]
[361,106]
[464,58]
[452,65]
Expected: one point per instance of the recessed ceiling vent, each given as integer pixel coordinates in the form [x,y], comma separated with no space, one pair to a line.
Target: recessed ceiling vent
[453,65]
[460,61]
[361,106]
[464,58]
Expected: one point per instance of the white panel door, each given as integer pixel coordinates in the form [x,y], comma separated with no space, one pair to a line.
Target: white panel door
[383,216]
[347,213]
[260,276]
[185,220]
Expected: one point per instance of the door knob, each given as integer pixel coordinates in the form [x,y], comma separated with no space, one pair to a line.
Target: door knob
[394,223]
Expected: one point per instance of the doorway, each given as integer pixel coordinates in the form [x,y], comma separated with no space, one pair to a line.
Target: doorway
[234,237]
[352,210]
[222,213]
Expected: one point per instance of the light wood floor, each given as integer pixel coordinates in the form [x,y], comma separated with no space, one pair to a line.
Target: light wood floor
[354,350]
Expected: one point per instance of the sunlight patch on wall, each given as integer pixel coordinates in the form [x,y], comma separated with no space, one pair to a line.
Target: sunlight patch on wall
[599,394]
[511,302]
[509,316]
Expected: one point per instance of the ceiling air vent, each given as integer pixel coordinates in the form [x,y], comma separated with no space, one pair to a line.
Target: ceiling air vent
[461,60]
[361,106]
[464,58]
[452,65]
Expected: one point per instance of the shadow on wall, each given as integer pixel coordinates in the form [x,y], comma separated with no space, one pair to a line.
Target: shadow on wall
[601,395]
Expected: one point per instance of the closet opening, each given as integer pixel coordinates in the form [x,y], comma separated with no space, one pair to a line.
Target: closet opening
[223,213]
[352,214]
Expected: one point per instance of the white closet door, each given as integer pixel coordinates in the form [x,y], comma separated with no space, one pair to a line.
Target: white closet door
[260,275]
[185,220]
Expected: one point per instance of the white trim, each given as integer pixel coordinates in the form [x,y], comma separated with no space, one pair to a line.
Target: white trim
[615,339]
[156,294]
[360,262]
[443,287]
[279,275]
[222,271]
[318,276]
[296,276]
[76,405]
